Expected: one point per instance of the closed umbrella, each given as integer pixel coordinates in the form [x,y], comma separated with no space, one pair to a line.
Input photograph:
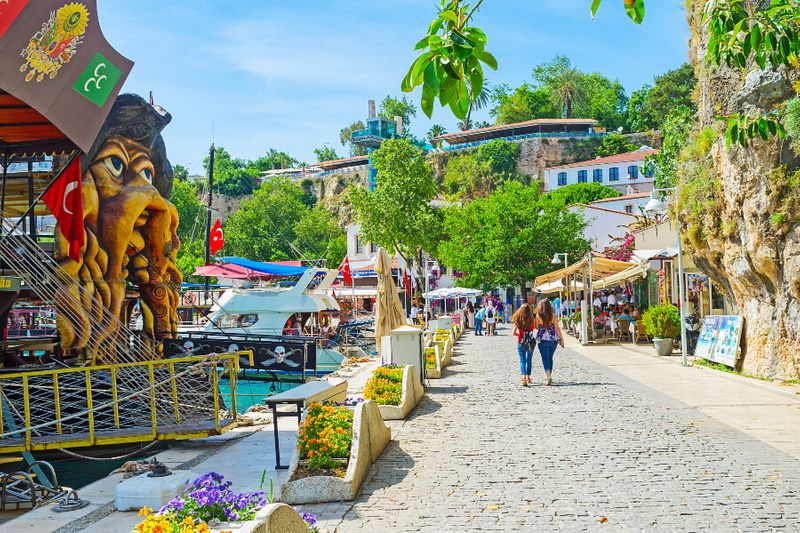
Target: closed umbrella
[388,309]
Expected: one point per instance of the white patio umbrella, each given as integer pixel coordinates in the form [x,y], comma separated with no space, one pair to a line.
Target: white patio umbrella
[388,309]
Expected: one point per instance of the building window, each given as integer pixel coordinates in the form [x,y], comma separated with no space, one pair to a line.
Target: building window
[629,209]
[633,172]
[613,174]
[444,270]
[648,171]
[562,178]
[373,247]
[359,245]
[581,176]
[597,175]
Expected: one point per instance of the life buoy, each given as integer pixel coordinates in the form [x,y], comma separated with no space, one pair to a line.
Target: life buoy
[190,298]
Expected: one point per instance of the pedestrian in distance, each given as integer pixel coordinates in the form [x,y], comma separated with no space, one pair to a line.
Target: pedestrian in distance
[524,328]
[491,319]
[470,313]
[479,316]
[548,336]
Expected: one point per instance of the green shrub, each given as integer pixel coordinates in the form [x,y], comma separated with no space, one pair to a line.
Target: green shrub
[662,321]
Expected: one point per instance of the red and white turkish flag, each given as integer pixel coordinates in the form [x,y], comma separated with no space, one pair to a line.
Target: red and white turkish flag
[216,239]
[9,11]
[65,200]
[407,282]
[344,270]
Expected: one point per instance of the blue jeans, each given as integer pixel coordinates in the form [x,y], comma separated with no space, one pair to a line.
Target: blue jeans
[547,349]
[478,326]
[525,359]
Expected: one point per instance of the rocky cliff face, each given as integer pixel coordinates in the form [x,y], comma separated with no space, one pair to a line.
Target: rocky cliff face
[740,208]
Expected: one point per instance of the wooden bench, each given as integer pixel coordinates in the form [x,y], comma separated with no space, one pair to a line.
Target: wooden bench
[301,397]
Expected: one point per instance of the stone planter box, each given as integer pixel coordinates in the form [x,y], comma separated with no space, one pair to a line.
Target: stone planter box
[274,518]
[435,373]
[370,437]
[412,394]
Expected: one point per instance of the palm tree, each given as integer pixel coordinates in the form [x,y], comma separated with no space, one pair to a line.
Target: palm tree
[566,90]
[435,131]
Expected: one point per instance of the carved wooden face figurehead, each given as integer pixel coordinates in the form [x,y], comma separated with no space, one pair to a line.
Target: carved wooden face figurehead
[130,237]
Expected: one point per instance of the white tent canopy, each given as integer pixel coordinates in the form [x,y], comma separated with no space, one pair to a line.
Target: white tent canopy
[557,286]
[452,292]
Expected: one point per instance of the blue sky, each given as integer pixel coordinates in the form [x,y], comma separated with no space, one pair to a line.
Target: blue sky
[290,74]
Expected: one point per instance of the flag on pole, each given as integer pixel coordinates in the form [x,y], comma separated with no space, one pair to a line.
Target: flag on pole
[64,198]
[344,270]
[407,282]
[216,239]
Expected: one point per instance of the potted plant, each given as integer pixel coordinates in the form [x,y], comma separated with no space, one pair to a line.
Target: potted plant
[662,323]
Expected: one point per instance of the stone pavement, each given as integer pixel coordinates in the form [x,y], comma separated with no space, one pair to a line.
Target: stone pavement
[596,451]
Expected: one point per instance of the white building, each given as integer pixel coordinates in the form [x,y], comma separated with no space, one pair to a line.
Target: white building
[609,218]
[623,172]
[632,204]
[603,224]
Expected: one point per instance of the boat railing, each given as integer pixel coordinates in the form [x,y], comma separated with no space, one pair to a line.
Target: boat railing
[142,401]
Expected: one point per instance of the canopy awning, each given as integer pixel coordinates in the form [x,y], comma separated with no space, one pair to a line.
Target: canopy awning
[229,271]
[647,255]
[558,286]
[636,271]
[601,268]
[59,77]
[274,269]
[452,292]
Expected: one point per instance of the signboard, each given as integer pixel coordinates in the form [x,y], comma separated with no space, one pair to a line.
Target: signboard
[9,284]
[719,339]
[284,354]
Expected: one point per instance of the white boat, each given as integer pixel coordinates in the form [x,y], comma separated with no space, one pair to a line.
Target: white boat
[244,315]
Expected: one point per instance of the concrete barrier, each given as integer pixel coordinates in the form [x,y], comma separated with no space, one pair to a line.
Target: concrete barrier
[274,518]
[370,437]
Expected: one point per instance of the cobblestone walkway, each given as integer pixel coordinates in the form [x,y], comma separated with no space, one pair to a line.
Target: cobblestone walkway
[594,452]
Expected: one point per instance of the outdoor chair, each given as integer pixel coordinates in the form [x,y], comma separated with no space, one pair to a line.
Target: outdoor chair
[624,329]
[639,332]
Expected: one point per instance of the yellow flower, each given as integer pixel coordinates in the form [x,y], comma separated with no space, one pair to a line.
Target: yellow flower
[145,511]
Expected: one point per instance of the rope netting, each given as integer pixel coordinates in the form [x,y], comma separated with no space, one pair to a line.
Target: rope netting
[181,394]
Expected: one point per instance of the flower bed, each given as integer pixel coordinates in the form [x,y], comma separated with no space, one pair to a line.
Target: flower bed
[430,358]
[385,387]
[324,439]
[433,362]
[368,439]
[210,500]
[409,389]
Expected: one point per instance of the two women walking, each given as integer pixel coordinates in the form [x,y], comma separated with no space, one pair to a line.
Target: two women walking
[532,328]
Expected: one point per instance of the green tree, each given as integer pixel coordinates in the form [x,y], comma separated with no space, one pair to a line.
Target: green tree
[398,214]
[581,193]
[232,177]
[435,131]
[346,138]
[509,237]
[326,153]
[612,145]
[191,256]
[263,227]
[180,173]
[392,107]
[184,198]
[274,159]
[500,155]
[319,236]
[675,132]
[650,105]
[566,85]
[637,116]
[523,103]
[466,174]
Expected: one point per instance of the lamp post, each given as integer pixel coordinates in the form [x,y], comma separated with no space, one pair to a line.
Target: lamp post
[657,205]
[557,261]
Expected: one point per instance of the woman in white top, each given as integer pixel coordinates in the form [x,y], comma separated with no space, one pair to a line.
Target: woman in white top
[491,318]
